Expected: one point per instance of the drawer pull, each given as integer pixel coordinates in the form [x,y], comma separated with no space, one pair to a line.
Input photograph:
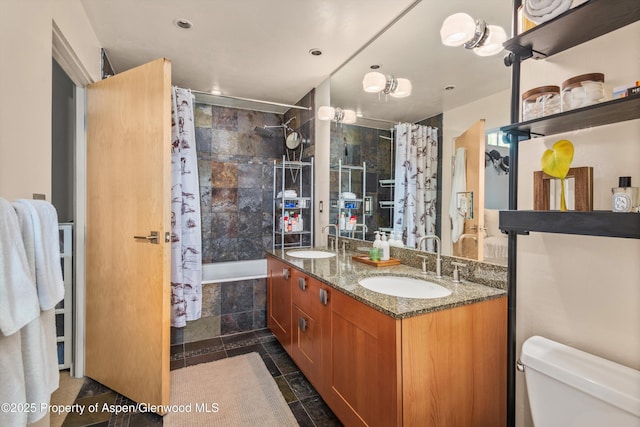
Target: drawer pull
[302,323]
[285,273]
[324,297]
[302,283]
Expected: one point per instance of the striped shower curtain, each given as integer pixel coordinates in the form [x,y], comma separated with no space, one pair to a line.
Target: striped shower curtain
[186,240]
[416,176]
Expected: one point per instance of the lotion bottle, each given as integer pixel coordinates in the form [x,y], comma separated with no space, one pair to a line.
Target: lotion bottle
[385,248]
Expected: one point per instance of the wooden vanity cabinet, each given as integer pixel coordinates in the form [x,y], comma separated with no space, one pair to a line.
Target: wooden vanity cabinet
[361,373]
[444,368]
[279,301]
[309,305]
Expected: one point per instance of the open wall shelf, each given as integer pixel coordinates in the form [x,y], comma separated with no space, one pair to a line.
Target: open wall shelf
[595,223]
[578,25]
[617,110]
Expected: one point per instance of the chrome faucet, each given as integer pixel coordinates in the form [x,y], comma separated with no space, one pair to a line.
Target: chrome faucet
[335,240]
[438,258]
[364,228]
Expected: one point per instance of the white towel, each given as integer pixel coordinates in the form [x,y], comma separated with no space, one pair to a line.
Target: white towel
[540,11]
[39,346]
[12,380]
[18,297]
[46,249]
[458,185]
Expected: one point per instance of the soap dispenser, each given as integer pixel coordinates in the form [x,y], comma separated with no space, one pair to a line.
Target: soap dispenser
[385,248]
[392,239]
[377,243]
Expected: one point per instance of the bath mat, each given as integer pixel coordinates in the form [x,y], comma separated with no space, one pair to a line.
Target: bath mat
[233,392]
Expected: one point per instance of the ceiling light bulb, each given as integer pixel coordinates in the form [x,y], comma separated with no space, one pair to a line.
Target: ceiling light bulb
[349,117]
[403,89]
[374,82]
[457,29]
[493,44]
[326,113]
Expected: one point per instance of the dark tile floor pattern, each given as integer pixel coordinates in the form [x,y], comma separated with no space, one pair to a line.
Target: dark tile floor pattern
[304,401]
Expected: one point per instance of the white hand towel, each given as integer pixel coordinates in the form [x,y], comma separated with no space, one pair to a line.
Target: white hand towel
[18,297]
[540,11]
[46,248]
[459,185]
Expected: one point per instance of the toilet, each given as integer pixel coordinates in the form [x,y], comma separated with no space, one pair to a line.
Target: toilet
[570,388]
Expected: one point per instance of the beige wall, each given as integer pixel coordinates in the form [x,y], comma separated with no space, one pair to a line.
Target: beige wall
[582,290]
[495,110]
[25,85]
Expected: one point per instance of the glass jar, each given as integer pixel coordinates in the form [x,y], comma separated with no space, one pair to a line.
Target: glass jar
[583,90]
[539,102]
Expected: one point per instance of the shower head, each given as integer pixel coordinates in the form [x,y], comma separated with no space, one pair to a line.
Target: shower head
[263,132]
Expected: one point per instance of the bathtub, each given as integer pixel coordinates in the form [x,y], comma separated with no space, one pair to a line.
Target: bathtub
[233,271]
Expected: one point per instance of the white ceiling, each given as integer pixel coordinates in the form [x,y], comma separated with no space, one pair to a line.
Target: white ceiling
[260,49]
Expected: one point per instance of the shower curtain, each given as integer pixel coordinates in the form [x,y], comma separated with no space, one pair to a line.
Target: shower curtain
[186,240]
[416,176]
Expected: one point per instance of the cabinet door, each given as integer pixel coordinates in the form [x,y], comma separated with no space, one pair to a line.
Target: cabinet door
[307,327]
[279,302]
[361,364]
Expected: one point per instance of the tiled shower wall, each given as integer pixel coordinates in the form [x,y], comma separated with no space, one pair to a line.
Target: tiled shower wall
[236,181]
[235,165]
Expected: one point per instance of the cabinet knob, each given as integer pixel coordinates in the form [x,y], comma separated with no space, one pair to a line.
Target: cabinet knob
[302,283]
[285,273]
[302,323]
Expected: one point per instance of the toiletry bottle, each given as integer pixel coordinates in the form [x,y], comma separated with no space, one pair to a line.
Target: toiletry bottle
[342,224]
[377,243]
[352,222]
[385,248]
[300,223]
[392,239]
[625,197]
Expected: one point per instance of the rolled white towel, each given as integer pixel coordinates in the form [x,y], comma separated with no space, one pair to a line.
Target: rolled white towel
[540,11]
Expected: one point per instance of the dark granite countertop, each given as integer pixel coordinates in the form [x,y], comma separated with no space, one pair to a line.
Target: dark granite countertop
[343,273]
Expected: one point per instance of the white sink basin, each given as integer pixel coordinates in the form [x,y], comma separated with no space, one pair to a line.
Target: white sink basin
[311,254]
[406,287]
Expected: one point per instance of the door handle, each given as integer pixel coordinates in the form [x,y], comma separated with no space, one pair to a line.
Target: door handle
[302,323]
[151,238]
[302,283]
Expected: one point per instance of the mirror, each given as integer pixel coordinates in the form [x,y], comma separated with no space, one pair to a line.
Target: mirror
[478,88]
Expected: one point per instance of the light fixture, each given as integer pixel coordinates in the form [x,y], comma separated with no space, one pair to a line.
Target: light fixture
[377,82]
[336,114]
[461,29]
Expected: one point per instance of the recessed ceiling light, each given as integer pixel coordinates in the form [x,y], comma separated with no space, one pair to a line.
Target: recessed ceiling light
[183,23]
[375,66]
[449,87]
[216,92]
[315,51]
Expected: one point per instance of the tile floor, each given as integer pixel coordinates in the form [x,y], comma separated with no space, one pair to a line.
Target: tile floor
[305,403]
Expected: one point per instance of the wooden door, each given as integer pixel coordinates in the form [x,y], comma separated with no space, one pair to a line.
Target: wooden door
[470,244]
[279,302]
[128,194]
[362,364]
[306,350]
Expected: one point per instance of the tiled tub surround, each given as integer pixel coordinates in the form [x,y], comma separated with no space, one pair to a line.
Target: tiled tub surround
[227,308]
[343,273]
[236,181]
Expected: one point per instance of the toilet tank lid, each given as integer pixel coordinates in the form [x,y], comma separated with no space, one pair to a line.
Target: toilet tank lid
[609,381]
